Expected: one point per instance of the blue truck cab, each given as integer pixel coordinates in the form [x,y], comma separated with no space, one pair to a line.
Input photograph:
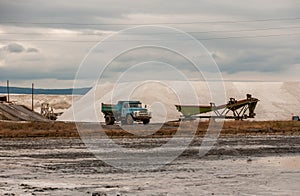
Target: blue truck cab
[125,112]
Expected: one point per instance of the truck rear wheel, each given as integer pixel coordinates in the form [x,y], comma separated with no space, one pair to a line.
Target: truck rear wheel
[109,120]
[129,119]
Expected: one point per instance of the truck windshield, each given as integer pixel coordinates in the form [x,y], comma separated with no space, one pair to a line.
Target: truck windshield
[135,105]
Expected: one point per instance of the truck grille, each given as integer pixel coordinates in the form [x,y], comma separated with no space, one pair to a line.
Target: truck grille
[143,114]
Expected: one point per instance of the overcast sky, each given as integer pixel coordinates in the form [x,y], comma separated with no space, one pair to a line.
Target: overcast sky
[45,41]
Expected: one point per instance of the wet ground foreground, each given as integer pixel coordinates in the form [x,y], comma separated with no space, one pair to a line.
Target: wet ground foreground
[236,165]
[245,158]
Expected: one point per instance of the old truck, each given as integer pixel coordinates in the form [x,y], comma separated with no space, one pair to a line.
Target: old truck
[125,112]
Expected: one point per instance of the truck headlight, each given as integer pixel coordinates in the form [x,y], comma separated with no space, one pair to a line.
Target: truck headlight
[135,113]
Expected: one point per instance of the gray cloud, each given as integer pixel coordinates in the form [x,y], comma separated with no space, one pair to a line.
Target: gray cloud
[116,11]
[14,48]
[32,50]
[28,59]
[17,48]
[23,73]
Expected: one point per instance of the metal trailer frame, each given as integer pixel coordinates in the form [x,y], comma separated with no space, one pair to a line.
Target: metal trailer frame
[239,110]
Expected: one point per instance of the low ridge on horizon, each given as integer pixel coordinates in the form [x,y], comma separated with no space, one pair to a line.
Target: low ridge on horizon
[47,91]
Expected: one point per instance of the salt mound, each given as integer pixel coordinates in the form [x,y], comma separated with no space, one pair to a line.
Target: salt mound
[159,97]
[60,103]
[278,100]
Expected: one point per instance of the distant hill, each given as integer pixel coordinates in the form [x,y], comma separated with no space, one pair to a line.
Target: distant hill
[69,91]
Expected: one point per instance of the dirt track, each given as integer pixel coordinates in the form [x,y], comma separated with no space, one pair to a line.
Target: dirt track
[260,160]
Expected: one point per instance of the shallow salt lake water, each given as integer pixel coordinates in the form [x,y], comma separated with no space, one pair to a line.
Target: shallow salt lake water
[66,167]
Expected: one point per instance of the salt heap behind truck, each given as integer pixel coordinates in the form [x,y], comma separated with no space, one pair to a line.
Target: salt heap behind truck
[278,100]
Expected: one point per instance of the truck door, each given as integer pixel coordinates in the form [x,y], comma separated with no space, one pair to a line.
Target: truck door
[125,109]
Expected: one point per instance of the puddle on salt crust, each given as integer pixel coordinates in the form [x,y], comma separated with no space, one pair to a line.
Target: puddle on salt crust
[286,162]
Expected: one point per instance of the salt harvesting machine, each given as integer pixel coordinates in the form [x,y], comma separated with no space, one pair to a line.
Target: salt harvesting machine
[234,109]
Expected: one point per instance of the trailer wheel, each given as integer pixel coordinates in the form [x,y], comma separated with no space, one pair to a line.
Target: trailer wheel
[146,121]
[109,120]
[129,119]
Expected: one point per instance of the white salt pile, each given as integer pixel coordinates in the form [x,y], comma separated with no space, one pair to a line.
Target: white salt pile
[278,100]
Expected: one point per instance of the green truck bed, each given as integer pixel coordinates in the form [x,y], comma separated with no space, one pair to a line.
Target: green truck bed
[108,108]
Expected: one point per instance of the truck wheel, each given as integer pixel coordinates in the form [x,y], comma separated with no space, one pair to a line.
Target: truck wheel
[109,120]
[129,119]
[146,121]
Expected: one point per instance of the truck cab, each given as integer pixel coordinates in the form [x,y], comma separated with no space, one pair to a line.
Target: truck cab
[126,112]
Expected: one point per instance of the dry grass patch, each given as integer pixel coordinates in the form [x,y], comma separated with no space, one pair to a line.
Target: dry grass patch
[62,129]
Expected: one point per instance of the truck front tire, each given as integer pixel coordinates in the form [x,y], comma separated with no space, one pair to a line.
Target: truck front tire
[109,120]
[129,119]
[146,121]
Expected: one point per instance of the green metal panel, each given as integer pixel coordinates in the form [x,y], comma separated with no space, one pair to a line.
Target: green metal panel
[108,108]
[187,110]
